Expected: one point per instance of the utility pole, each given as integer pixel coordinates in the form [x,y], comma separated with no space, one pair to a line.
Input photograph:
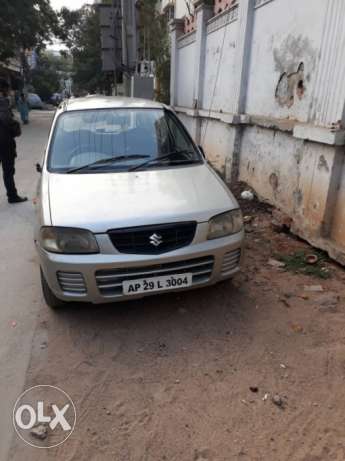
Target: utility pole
[113,28]
[129,41]
[117,17]
[110,22]
[119,40]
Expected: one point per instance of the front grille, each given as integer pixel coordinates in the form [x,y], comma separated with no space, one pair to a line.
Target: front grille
[153,239]
[110,281]
[72,282]
[231,261]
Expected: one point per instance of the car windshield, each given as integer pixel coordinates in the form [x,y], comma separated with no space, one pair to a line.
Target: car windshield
[119,140]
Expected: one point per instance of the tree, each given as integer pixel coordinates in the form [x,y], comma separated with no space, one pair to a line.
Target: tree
[81,32]
[25,24]
[154,44]
[82,35]
[51,69]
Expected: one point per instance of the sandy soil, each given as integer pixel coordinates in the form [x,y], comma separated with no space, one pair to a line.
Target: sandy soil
[169,377]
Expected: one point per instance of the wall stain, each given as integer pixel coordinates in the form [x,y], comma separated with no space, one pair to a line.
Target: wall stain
[323,165]
[291,58]
[292,51]
[289,86]
[298,197]
[274,181]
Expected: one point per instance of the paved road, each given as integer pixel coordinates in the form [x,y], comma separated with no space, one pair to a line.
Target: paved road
[19,289]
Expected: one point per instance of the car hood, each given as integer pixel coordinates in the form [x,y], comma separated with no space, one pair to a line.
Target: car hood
[100,202]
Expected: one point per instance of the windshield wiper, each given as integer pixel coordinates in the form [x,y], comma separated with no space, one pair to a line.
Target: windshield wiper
[163,157]
[105,161]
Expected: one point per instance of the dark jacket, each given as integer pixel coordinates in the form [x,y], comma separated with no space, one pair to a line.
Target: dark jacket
[9,129]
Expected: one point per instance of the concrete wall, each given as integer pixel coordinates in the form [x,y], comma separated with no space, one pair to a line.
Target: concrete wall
[219,67]
[261,86]
[218,145]
[185,75]
[279,47]
[296,182]
[338,224]
[276,176]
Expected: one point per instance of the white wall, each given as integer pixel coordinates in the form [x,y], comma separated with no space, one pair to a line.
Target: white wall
[181,9]
[276,176]
[279,65]
[285,33]
[185,75]
[219,68]
[217,139]
[338,227]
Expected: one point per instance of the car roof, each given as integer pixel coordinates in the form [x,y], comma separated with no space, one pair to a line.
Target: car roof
[109,102]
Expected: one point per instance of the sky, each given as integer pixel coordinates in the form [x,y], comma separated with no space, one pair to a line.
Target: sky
[72,4]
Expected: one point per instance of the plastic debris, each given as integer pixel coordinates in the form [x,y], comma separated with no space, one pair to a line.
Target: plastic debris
[39,432]
[311,259]
[275,263]
[248,219]
[278,401]
[297,328]
[313,288]
[247,195]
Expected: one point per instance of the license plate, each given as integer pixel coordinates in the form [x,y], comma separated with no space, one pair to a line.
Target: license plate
[150,284]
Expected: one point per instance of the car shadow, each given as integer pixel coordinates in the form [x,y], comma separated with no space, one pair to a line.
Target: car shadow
[175,320]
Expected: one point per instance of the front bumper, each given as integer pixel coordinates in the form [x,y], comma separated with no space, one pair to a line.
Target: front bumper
[85,271]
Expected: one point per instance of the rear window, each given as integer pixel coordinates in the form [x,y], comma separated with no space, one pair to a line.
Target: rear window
[84,137]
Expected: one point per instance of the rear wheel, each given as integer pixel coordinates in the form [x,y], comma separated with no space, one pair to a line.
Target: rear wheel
[49,296]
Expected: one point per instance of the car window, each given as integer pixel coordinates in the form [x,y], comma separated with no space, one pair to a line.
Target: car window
[181,141]
[83,137]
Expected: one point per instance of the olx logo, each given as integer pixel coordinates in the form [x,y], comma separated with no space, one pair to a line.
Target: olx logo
[44,416]
[39,417]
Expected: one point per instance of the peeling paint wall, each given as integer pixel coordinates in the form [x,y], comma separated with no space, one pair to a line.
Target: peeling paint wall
[285,35]
[296,182]
[338,224]
[291,87]
[218,146]
[268,106]
[275,176]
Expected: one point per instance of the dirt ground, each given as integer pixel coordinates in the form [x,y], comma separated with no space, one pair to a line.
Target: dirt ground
[191,377]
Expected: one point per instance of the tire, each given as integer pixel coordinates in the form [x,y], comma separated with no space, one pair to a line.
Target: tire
[49,297]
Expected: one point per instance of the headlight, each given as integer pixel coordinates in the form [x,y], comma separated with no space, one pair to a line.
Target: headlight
[225,224]
[68,240]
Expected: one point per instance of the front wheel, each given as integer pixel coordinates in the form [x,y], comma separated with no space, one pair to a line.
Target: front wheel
[48,295]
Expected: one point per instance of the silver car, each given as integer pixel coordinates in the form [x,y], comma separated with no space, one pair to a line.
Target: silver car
[128,206]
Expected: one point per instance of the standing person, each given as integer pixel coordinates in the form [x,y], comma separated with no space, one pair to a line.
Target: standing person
[9,130]
[23,108]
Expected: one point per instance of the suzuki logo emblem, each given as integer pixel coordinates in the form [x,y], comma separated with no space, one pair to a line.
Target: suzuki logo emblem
[156,240]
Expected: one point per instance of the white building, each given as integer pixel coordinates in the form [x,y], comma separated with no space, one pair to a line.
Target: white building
[261,86]
[178,6]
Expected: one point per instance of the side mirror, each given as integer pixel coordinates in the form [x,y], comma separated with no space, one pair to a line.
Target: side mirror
[202,151]
[38,168]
